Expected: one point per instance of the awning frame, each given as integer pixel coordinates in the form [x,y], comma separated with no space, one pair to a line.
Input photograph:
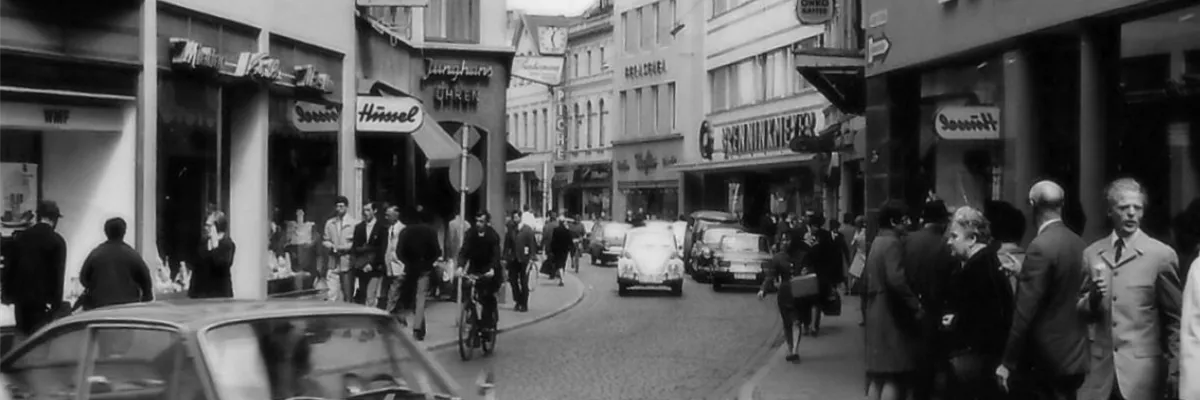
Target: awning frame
[838,74]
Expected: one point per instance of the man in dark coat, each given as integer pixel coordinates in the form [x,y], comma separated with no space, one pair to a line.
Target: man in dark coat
[827,261]
[928,268]
[114,273]
[480,255]
[370,244]
[419,250]
[524,251]
[1048,344]
[561,244]
[33,280]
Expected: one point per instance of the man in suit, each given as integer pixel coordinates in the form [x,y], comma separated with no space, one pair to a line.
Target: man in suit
[370,244]
[419,250]
[1047,342]
[828,261]
[1132,298]
[927,272]
[33,279]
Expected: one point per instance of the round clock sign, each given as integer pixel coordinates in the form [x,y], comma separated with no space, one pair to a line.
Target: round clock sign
[814,12]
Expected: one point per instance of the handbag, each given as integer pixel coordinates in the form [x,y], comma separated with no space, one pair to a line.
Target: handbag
[804,286]
[832,306]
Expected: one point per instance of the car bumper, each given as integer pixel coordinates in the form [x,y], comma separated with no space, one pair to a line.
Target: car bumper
[644,280]
[749,278]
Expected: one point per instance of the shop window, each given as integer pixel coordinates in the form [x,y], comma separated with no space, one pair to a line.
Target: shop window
[1191,62]
[20,164]
[601,132]
[545,129]
[656,113]
[452,21]
[629,32]
[1145,72]
[649,18]
[671,107]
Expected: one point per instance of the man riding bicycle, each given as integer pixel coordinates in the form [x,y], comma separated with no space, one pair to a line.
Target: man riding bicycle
[480,256]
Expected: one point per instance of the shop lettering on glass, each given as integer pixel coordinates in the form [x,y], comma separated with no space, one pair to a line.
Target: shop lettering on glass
[56,115]
[767,135]
[455,84]
[967,123]
[646,69]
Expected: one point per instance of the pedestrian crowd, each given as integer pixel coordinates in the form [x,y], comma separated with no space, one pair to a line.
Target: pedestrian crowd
[954,309]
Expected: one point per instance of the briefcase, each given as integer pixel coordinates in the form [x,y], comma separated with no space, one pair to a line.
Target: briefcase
[804,286]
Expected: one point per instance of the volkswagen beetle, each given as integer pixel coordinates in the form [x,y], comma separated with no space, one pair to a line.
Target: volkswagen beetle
[650,258]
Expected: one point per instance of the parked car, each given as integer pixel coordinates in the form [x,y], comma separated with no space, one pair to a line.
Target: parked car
[697,222]
[739,260]
[706,249]
[225,349]
[650,259]
[606,240]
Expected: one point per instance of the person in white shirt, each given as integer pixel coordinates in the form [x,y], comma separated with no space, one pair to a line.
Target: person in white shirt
[1189,337]
[395,268]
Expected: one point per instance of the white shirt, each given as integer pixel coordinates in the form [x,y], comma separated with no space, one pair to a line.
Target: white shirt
[395,267]
[1047,223]
[1189,336]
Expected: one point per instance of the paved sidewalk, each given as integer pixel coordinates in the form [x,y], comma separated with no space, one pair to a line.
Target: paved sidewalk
[547,300]
[830,367]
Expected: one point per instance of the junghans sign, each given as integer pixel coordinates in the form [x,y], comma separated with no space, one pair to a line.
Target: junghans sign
[767,135]
[449,79]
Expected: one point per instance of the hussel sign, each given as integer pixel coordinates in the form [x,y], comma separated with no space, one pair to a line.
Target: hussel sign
[388,114]
[967,123]
[312,117]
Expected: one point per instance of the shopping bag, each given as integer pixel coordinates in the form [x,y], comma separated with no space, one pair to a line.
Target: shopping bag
[856,266]
[502,294]
[832,306]
[804,286]
[548,266]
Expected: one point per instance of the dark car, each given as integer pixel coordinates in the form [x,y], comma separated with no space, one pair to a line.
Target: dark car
[697,222]
[706,248]
[224,349]
[739,260]
[606,240]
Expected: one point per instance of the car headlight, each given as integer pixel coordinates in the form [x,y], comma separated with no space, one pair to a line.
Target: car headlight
[706,252]
[675,266]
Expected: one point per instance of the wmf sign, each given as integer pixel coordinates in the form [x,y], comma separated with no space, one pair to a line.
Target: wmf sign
[814,12]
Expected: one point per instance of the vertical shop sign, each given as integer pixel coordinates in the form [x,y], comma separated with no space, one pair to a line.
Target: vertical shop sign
[560,125]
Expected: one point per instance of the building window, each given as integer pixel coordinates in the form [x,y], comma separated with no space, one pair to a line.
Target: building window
[591,68]
[577,123]
[671,107]
[525,125]
[603,124]
[545,129]
[603,60]
[629,32]
[674,13]
[648,110]
[452,21]
[575,65]
[718,88]
[649,18]
[659,17]
[657,112]
[591,125]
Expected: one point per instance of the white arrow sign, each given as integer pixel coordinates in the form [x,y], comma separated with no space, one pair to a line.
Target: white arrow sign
[877,48]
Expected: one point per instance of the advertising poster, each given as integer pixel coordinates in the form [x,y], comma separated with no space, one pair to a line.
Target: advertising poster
[20,196]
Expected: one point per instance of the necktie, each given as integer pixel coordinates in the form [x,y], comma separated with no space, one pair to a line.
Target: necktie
[1119,247]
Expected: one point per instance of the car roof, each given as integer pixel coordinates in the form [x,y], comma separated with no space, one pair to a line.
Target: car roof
[725,226]
[747,234]
[641,229]
[713,215]
[196,314]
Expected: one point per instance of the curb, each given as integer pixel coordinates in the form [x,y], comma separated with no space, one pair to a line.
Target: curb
[444,344]
[772,356]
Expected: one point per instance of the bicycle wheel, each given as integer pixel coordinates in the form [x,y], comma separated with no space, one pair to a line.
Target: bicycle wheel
[489,345]
[466,330]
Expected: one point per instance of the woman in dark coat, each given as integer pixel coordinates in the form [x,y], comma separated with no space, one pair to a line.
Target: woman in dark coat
[978,308]
[211,275]
[892,334]
[795,312]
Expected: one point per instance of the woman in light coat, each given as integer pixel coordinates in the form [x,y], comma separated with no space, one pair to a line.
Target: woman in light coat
[892,310]
[1189,337]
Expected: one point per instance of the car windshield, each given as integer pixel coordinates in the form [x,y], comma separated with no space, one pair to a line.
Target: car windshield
[712,236]
[649,240]
[744,243]
[616,230]
[330,357]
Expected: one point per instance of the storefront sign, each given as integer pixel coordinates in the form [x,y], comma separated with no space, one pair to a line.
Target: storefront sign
[309,78]
[878,48]
[190,54]
[258,66]
[623,166]
[55,117]
[388,114]
[450,83]
[645,162]
[706,140]
[646,69]
[814,12]
[311,117]
[966,123]
[540,69]
[767,135]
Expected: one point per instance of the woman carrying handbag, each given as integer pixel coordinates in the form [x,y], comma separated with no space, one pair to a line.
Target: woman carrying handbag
[797,287]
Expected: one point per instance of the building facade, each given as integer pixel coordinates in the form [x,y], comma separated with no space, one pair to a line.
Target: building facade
[583,177]
[739,160]
[657,85]
[151,114]
[976,105]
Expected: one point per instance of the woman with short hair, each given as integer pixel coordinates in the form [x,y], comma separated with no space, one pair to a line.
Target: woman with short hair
[212,273]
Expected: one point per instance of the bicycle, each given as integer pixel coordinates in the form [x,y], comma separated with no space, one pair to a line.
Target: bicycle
[470,334]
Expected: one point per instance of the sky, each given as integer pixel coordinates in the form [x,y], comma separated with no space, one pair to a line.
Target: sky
[550,7]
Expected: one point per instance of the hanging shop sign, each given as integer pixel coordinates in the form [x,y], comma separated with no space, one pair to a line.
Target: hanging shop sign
[967,123]
[552,40]
[541,69]
[814,12]
[560,126]
[388,114]
[706,140]
[645,69]
[312,117]
[192,56]
[455,84]
[768,135]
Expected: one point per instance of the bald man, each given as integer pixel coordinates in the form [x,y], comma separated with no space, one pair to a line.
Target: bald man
[1047,343]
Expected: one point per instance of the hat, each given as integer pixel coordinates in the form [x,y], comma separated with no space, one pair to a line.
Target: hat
[48,209]
[934,211]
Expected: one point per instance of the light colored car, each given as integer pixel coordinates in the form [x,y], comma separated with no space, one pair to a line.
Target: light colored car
[707,248]
[679,228]
[225,349]
[606,240]
[650,258]
[739,260]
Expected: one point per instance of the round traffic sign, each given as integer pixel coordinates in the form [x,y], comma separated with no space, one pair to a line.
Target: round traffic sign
[474,174]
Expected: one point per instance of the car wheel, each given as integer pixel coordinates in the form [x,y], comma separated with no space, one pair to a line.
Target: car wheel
[677,289]
[622,290]
[717,287]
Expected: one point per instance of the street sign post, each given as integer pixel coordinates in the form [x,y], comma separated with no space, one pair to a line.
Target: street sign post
[463,136]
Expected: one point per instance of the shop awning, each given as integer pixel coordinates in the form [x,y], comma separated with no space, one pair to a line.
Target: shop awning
[535,163]
[438,146]
[745,164]
[837,74]
[511,152]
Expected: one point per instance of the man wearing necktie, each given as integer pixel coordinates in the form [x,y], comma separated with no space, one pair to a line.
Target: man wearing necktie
[1132,300]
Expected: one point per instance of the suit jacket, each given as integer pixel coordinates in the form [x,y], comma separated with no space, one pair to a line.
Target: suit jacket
[1048,334]
[35,274]
[526,246]
[114,273]
[369,248]
[419,249]
[928,267]
[1133,324]
[1189,337]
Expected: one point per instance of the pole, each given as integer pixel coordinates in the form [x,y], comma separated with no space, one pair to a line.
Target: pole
[464,132]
